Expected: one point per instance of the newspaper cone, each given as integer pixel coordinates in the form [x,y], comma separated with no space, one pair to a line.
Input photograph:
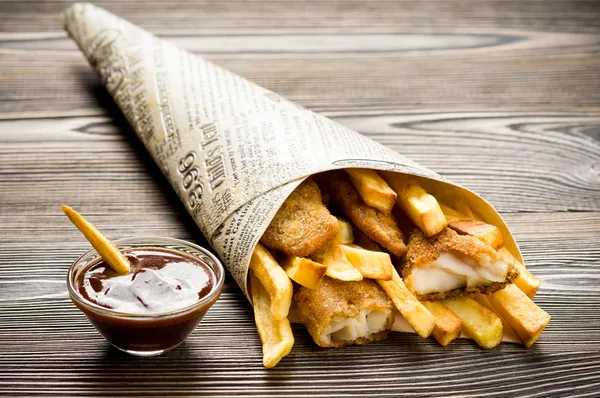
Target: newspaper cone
[232,150]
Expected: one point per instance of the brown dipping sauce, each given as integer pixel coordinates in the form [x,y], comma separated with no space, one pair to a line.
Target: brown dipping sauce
[160,281]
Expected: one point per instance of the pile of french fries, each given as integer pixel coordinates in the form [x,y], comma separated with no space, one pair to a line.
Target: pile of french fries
[509,312]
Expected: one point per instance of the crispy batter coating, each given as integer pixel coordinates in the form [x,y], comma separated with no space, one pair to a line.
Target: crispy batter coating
[423,250]
[377,225]
[336,300]
[466,245]
[302,224]
[364,241]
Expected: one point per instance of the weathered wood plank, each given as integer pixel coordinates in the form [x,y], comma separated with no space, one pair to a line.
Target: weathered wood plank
[44,83]
[323,42]
[462,70]
[556,15]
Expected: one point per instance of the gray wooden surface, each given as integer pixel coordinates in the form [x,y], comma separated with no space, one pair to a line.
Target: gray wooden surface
[501,96]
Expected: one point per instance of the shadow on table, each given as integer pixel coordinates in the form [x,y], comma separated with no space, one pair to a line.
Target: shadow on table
[118,371]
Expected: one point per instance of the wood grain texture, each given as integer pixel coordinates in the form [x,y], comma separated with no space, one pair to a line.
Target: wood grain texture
[488,69]
[500,96]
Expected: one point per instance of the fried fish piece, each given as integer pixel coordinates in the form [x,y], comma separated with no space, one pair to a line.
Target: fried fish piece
[339,313]
[302,224]
[449,264]
[377,225]
[364,241]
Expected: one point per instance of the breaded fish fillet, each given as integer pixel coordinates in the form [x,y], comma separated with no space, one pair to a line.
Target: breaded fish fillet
[340,313]
[377,225]
[449,264]
[364,241]
[302,224]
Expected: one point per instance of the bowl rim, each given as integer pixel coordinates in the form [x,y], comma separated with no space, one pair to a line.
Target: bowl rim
[149,241]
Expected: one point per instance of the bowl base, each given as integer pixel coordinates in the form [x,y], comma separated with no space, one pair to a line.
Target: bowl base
[144,353]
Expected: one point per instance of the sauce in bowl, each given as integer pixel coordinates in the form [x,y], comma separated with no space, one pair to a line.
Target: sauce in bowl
[157,304]
[159,280]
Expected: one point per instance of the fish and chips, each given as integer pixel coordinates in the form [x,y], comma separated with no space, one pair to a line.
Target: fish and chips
[365,253]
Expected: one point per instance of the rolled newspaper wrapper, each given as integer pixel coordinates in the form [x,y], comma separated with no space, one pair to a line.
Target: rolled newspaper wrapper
[232,150]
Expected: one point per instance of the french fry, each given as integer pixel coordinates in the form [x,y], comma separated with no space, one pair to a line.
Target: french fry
[422,208]
[371,264]
[275,334]
[526,281]
[479,323]
[484,232]
[526,318]
[374,191]
[304,271]
[419,318]
[345,234]
[451,214]
[447,324]
[462,207]
[332,256]
[107,250]
[274,279]
[507,330]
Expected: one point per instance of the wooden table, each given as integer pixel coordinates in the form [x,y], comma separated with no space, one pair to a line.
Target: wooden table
[501,96]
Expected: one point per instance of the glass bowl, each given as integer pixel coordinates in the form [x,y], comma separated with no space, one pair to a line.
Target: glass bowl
[147,334]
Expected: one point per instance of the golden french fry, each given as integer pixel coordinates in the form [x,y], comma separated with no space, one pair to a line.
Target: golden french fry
[274,279]
[451,214]
[447,324]
[484,232]
[462,207]
[479,323]
[107,250]
[332,256]
[526,281]
[275,334]
[371,264]
[373,190]
[526,318]
[419,318]
[345,234]
[507,330]
[304,271]
[422,208]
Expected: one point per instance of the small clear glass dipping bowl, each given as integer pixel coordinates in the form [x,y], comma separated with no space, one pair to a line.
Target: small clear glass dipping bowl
[143,334]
